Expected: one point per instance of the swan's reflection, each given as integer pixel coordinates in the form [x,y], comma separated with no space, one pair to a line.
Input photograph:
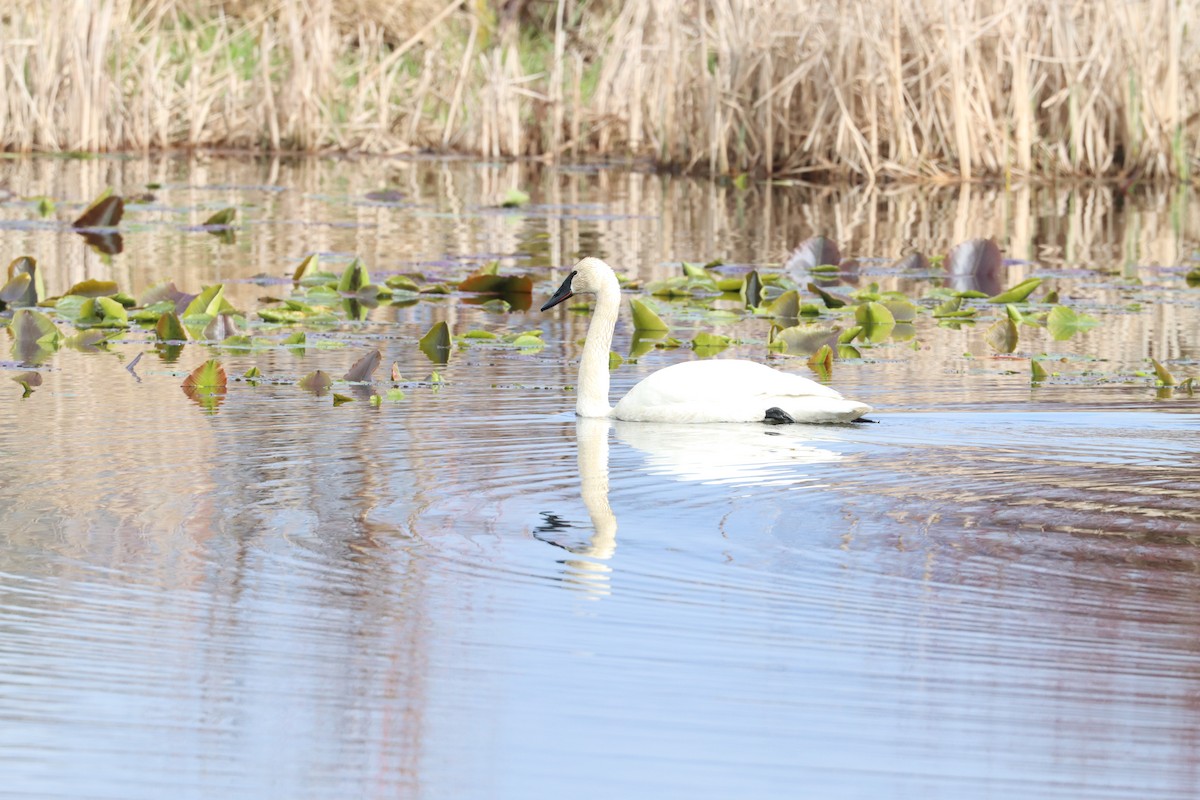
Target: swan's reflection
[727,455]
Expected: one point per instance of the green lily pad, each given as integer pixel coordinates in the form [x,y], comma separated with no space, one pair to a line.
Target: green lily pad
[830,299]
[752,289]
[35,291]
[34,326]
[16,288]
[1018,293]
[435,344]
[207,378]
[317,382]
[514,198]
[1037,372]
[1064,322]
[873,314]
[210,302]
[354,277]
[339,399]
[94,288]
[803,339]
[1162,373]
[785,305]
[402,283]
[614,360]
[1002,336]
[644,318]
[225,216]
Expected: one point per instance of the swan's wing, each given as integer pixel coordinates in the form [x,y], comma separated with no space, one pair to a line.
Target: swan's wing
[721,380]
[731,391]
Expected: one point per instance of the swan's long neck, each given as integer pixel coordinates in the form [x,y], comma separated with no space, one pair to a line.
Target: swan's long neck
[592,392]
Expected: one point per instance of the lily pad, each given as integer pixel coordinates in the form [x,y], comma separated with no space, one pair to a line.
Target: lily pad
[873,314]
[17,288]
[482,283]
[223,217]
[514,198]
[1037,372]
[804,339]
[822,361]
[34,326]
[94,288]
[104,212]
[785,305]
[752,289]
[364,368]
[1002,336]
[1064,322]
[317,382]
[1017,293]
[644,318]
[29,381]
[354,277]
[36,290]
[435,344]
[830,299]
[1163,374]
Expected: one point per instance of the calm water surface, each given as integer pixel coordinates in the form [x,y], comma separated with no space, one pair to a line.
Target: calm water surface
[992,593]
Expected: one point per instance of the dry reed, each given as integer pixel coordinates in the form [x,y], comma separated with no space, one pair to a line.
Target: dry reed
[872,90]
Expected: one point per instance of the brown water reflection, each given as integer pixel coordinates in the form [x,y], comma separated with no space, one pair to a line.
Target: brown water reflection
[992,592]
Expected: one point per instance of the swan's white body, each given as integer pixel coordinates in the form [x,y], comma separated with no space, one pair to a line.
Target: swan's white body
[694,391]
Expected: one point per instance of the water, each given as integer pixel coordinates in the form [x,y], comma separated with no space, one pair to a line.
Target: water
[468,593]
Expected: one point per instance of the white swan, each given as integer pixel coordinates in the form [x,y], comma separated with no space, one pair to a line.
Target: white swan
[693,391]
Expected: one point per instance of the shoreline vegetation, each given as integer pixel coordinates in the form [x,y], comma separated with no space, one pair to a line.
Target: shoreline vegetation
[847,90]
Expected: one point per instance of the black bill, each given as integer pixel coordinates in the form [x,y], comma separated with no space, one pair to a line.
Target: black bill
[564,292]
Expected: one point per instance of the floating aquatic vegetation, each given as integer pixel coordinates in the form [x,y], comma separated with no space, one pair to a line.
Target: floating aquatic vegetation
[488,280]
[28,381]
[1064,322]
[223,218]
[514,198]
[1163,374]
[822,361]
[709,344]
[435,344]
[206,385]
[364,368]
[104,212]
[752,289]
[170,329]
[1018,293]
[1036,371]
[830,299]
[1002,336]
[354,277]
[873,314]
[339,399]
[25,286]
[785,305]
[802,340]
[317,382]
[645,318]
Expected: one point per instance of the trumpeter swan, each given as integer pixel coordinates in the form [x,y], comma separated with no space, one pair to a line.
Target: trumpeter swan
[694,391]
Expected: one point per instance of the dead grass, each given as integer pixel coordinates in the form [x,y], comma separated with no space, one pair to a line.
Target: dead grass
[872,90]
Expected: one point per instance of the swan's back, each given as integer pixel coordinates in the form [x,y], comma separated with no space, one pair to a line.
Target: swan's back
[732,391]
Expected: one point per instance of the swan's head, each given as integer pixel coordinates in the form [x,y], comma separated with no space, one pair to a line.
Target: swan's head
[589,276]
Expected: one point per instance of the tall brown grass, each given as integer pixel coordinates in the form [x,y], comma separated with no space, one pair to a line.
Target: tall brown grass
[931,89]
